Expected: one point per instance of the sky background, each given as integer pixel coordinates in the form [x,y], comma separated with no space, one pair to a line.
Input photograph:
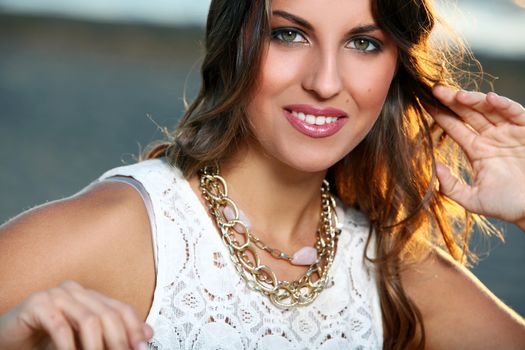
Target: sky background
[495,27]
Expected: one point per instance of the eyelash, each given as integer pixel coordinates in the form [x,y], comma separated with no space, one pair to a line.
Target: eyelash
[277,32]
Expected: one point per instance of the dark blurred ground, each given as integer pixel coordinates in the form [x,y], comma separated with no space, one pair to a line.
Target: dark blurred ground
[74,100]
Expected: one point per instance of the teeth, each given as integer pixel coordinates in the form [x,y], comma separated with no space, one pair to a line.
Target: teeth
[310,119]
[314,120]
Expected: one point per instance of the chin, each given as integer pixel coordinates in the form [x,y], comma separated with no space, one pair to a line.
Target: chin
[312,165]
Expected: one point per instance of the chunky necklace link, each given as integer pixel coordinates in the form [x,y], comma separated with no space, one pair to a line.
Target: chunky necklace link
[242,245]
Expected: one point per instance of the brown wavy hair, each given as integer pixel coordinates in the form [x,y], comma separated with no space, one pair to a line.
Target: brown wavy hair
[389,176]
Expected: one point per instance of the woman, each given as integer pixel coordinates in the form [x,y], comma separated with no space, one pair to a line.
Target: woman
[236,206]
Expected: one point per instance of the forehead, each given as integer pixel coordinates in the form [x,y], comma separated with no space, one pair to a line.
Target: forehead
[334,12]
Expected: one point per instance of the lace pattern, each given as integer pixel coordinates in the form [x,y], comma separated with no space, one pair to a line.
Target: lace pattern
[200,302]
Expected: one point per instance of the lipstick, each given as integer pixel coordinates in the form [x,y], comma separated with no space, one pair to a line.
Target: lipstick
[315,122]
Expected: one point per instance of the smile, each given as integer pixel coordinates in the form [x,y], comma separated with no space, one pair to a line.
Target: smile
[315,122]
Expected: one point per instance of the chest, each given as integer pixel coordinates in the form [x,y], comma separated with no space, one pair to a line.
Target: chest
[202,302]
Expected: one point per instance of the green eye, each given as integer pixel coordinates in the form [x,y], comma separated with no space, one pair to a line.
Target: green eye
[364,45]
[288,36]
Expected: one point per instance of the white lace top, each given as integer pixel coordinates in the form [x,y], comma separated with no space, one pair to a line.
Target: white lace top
[200,302]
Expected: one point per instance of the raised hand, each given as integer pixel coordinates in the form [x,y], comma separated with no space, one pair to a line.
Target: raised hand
[491,131]
[72,317]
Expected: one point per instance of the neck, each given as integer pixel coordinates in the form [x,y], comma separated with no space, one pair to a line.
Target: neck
[283,204]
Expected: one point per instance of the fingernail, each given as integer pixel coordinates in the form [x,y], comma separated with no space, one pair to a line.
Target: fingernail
[142,346]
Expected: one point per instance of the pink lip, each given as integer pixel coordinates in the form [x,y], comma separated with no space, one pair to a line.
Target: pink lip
[316,131]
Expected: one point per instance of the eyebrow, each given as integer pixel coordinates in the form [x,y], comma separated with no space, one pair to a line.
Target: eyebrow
[305,24]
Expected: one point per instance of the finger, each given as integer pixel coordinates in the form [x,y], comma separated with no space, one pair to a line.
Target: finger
[137,333]
[454,189]
[41,313]
[148,331]
[114,331]
[82,318]
[508,109]
[479,103]
[455,128]
[448,97]
[55,325]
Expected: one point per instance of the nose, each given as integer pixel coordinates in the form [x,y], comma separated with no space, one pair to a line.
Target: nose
[323,77]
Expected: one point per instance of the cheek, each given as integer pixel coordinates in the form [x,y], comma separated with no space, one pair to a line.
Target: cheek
[279,71]
[369,82]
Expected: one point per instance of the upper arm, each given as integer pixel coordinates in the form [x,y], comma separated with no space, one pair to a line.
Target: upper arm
[458,310]
[100,238]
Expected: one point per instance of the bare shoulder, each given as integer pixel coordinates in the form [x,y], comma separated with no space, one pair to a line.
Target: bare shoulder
[99,237]
[457,309]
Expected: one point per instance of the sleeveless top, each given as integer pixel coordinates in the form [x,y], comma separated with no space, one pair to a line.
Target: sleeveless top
[200,301]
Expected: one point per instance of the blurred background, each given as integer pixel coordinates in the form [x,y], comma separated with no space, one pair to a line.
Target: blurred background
[85,85]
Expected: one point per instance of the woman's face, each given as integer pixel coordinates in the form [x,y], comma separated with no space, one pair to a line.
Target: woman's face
[322,83]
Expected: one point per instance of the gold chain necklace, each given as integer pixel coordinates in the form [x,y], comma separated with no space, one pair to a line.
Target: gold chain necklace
[304,256]
[242,245]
